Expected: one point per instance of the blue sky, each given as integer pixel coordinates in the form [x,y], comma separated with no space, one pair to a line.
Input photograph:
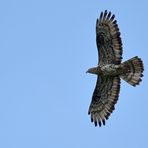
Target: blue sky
[45,49]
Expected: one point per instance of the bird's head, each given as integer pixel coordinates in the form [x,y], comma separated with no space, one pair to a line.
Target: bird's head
[93,70]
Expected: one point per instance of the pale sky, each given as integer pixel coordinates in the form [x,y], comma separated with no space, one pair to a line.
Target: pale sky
[45,49]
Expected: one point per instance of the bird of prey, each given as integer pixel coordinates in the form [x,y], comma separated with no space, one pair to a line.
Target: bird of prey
[110,70]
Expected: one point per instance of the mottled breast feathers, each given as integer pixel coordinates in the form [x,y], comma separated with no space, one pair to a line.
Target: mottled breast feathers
[110,69]
[107,88]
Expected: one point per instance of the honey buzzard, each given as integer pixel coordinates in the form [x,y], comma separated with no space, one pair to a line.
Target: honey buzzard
[110,69]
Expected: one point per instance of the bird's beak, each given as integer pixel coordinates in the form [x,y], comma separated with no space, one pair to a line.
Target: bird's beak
[87,71]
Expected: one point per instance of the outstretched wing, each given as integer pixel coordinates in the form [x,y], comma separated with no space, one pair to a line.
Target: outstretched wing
[104,99]
[108,39]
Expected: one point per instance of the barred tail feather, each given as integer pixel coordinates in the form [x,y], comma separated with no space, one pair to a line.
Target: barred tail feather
[133,70]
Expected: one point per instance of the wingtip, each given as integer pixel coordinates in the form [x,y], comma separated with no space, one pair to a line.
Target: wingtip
[112,18]
[100,124]
[101,15]
[95,123]
[97,21]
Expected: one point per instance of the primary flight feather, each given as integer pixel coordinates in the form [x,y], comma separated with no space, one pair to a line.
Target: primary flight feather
[110,69]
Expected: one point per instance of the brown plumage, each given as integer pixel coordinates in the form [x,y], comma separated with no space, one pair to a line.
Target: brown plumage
[133,71]
[110,69]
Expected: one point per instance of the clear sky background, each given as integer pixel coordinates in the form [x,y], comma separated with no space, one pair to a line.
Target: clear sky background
[46,46]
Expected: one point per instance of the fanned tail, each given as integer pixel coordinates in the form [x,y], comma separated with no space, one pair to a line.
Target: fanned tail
[133,69]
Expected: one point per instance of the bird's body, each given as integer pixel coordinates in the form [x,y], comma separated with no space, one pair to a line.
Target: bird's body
[106,70]
[110,69]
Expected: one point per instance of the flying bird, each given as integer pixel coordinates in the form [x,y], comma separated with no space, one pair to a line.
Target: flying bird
[110,70]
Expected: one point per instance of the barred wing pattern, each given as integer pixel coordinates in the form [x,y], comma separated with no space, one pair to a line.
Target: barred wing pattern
[104,99]
[108,39]
[107,88]
[110,69]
